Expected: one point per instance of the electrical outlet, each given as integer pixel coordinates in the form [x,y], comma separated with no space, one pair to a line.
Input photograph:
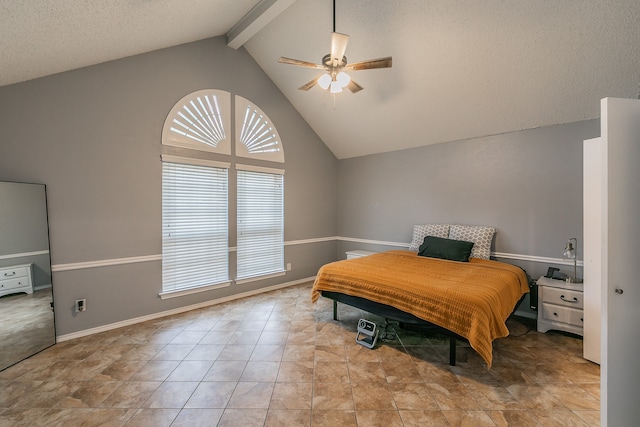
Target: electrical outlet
[288,266]
[81,305]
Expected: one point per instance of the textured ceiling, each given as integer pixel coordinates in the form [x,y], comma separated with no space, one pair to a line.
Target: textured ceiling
[43,37]
[461,69]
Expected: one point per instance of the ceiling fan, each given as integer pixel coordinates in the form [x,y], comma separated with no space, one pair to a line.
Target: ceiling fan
[335,64]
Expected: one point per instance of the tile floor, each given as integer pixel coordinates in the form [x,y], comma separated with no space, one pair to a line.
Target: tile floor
[275,359]
[27,325]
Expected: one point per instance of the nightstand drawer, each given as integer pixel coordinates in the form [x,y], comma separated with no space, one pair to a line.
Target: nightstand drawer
[562,314]
[576,317]
[7,285]
[13,272]
[565,297]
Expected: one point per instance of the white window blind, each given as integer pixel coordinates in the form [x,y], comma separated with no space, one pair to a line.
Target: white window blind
[195,227]
[260,245]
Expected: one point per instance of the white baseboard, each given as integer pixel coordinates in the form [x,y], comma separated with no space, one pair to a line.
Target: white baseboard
[128,322]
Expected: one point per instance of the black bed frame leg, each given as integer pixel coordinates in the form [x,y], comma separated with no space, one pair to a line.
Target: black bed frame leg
[452,351]
[335,310]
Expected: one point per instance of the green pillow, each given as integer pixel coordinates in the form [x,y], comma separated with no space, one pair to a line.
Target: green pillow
[453,250]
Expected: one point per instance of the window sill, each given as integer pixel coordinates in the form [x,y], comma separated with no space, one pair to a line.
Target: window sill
[257,278]
[189,291]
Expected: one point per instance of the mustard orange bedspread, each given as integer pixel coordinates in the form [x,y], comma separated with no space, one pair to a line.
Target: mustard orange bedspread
[472,299]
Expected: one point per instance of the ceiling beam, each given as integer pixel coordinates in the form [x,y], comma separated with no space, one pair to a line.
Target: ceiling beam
[255,20]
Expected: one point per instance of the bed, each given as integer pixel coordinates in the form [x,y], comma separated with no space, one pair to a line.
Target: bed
[470,300]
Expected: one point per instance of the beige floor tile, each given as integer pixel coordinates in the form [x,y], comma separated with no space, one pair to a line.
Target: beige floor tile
[225,370]
[131,394]
[372,397]
[379,418]
[243,417]
[451,397]
[330,353]
[331,372]
[590,417]
[362,372]
[559,418]
[260,371]
[423,419]
[236,352]
[288,418]
[153,418]
[267,353]
[301,338]
[535,397]
[296,372]
[211,394]
[292,396]
[120,370]
[398,372]
[205,352]
[23,416]
[573,397]
[197,418]
[492,397]
[333,418]
[90,394]
[174,352]
[332,396]
[273,338]
[190,370]
[155,370]
[251,395]
[171,395]
[523,418]
[188,337]
[412,396]
[437,373]
[468,419]
[245,337]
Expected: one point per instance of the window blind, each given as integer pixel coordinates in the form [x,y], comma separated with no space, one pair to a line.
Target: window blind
[260,216]
[195,240]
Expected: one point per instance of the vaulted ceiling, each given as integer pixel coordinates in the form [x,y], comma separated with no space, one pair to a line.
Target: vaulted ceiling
[461,69]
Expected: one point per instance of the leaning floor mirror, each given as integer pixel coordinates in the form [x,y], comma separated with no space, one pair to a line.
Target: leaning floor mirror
[26,297]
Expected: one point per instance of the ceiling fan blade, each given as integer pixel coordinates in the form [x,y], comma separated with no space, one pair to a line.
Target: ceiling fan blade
[354,87]
[370,64]
[300,63]
[311,84]
[338,47]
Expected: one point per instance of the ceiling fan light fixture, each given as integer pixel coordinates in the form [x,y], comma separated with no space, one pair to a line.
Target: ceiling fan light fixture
[334,80]
[324,81]
[343,78]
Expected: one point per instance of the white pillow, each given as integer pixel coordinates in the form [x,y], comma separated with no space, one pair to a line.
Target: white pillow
[421,231]
[480,236]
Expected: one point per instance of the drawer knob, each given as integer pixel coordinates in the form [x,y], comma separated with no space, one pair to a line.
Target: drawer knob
[555,314]
[573,301]
[619,291]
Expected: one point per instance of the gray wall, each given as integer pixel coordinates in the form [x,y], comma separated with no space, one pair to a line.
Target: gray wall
[93,136]
[527,184]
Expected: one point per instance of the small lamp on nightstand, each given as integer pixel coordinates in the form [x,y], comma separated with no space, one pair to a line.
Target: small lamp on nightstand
[570,253]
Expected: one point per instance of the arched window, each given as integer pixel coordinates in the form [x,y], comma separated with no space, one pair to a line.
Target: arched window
[195,194]
[256,137]
[200,121]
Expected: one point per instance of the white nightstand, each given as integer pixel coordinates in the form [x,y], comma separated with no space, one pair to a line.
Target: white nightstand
[15,279]
[560,306]
[358,253]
